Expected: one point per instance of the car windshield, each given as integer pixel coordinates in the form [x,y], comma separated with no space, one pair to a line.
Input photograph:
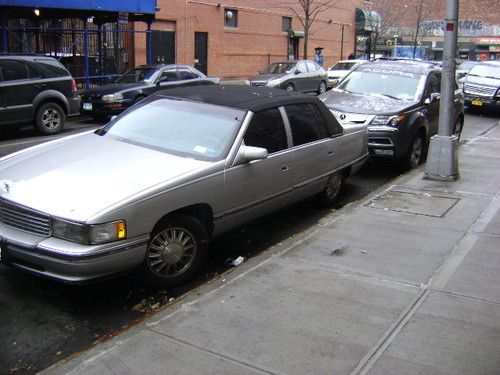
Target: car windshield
[404,86]
[343,66]
[136,75]
[488,71]
[198,130]
[278,68]
[466,65]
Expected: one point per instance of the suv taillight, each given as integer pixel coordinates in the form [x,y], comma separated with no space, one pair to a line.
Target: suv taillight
[73,86]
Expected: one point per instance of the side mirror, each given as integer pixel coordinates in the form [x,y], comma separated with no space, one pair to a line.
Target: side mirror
[297,72]
[246,154]
[261,71]
[434,97]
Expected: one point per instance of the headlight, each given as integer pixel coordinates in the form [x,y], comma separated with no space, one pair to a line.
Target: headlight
[275,82]
[247,82]
[92,234]
[112,97]
[388,120]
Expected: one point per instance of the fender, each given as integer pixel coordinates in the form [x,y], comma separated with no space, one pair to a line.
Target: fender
[51,94]
[418,119]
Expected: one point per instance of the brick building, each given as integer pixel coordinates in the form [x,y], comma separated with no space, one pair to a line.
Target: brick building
[235,39]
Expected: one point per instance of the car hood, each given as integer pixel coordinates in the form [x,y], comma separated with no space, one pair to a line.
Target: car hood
[367,104]
[478,80]
[266,77]
[113,88]
[337,73]
[78,177]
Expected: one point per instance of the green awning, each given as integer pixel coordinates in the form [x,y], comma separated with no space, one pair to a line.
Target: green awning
[367,20]
[296,33]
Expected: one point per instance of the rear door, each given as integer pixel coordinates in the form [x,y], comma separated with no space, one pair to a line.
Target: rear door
[255,188]
[300,77]
[314,73]
[19,86]
[433,87]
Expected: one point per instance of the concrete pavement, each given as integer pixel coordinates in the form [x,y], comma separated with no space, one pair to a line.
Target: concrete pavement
[406,281]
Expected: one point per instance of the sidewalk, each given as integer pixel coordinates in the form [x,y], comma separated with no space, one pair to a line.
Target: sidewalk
[406,281]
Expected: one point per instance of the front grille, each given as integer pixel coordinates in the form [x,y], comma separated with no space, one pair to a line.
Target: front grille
[480,90]
[24,219]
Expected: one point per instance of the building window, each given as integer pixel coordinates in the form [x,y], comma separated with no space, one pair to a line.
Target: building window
[286,24]
[230,18]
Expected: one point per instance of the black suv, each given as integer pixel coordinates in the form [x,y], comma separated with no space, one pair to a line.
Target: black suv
[481,86]
[399,102]
[36,88]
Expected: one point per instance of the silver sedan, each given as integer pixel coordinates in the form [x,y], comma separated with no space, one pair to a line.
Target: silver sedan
[151,188]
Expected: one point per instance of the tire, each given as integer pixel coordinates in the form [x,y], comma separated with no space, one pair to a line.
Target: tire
[322,87]
[457,128]
[290,87]
[415,154]
[176,251]
[330,193]
[50,119]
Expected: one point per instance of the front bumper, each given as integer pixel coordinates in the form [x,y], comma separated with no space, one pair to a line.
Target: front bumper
[74,106]
[385,141]
[68,261]
[100,108]
[475,101]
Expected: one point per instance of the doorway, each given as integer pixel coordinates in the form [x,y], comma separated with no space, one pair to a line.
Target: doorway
[201,51]
[163,51]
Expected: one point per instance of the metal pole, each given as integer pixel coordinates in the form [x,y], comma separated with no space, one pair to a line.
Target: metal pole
[149,41]
[342,43]
[86,54]
[442,163]
[5,32]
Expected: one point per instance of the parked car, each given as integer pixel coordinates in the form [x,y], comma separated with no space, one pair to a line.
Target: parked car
[302,75]
[481,86]
[151,188]
[137,84]
[399,102]
[463,68]
[340,69]
[36,89]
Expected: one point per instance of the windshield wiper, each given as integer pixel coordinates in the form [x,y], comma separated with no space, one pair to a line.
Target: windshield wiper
[386,95]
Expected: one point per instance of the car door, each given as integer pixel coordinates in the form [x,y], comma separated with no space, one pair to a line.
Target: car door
[255,188]
[433,87]
[18,91]
[314,76]
[315,151]
[300,77]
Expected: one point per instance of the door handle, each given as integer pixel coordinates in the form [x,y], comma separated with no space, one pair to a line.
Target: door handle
[284,168]
[40,86]
[330,153]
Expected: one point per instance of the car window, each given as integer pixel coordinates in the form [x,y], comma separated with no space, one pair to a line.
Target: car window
[267,130]
[51,68]
[343,66]
[306,122]
[301,68]
[189,129]
[187,74]
[168,75]
[278,68]
[434,85]
[13,70]
[311,66]
[136,75]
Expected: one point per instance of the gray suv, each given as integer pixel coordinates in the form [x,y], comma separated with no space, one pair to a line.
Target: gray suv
[36,89]
[481,86]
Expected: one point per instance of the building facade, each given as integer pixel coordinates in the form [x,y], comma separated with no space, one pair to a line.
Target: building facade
[236,39]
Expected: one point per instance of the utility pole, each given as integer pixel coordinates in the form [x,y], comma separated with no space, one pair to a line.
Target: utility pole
[442,161]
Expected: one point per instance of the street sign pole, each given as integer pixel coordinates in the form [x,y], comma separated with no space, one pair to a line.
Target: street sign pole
[442,160]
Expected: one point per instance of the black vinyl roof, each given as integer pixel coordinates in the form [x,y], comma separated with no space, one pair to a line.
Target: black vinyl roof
[236,96]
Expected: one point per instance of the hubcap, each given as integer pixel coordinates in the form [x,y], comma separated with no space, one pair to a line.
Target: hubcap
[416,153]
[51,118]
[171,252]
[322,88]
[289,88]
[333,186]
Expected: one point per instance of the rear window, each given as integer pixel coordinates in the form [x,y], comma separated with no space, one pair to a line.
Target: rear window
[51,68]
[12,70]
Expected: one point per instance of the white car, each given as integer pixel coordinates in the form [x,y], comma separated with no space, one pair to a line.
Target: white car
[340,69]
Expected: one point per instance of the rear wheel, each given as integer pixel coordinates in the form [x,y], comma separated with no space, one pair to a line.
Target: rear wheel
[290,87]
[50,118]
[331,192]
[176,251]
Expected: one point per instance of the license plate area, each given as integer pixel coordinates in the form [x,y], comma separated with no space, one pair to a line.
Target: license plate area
[477,102]
[87,106]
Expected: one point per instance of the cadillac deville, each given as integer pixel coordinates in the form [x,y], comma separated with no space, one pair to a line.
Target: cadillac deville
[147,191]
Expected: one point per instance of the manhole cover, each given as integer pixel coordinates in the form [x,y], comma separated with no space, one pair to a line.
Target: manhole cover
[413,203]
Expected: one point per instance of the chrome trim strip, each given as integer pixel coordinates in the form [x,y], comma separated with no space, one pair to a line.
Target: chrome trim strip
[383,128]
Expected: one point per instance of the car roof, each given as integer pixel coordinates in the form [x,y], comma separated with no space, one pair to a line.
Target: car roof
[235,96]
[403,66]
[157,66]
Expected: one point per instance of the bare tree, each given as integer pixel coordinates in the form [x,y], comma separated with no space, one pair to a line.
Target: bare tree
[307,12]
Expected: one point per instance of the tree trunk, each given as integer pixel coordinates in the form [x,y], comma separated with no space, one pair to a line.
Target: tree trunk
[306,36]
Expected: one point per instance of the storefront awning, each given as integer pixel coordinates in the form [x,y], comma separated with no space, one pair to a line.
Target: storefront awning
[367,20]
[296,33]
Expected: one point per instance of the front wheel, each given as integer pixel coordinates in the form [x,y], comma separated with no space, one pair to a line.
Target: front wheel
[322,87]
[331,192]
[176,251]
[50,119]
[415,154]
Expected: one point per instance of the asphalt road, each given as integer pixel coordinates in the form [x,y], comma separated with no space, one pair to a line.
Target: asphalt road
[42,322]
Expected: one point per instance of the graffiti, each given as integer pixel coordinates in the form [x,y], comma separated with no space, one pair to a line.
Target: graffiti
[465,28]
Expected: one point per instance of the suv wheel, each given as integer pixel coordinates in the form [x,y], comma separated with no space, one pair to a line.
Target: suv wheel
[415,155]
[50,118]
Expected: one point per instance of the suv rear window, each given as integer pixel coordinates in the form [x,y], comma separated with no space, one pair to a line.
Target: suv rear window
[12,70]
[51,68]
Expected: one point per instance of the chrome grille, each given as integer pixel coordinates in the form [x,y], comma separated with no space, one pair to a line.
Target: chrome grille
[480,90]
[24,219]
